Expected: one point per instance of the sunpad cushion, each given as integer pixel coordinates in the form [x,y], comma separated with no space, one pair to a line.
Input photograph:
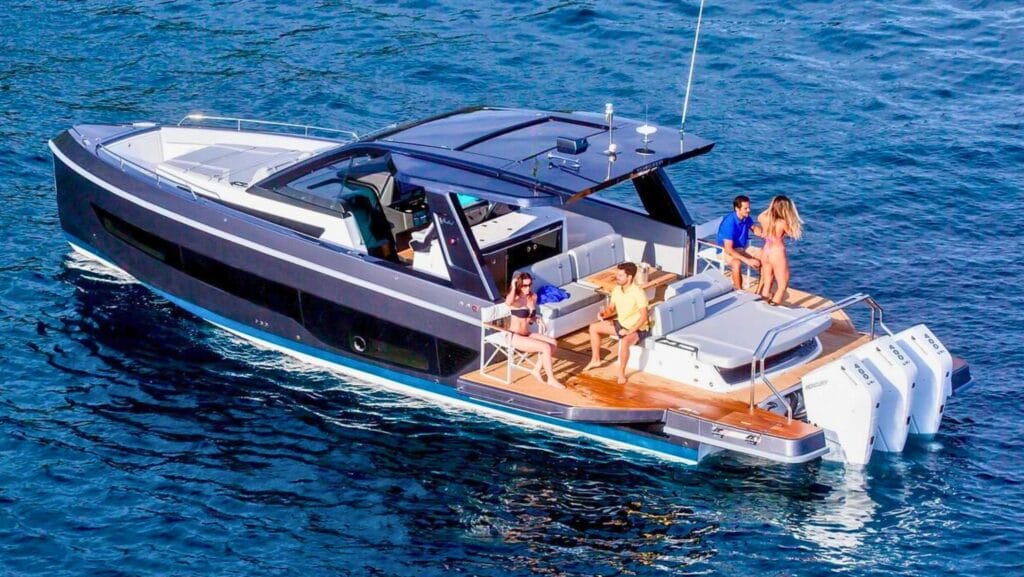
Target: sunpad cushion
[728,339]
[728,300]
[711,283]
[579,297]
[230,162]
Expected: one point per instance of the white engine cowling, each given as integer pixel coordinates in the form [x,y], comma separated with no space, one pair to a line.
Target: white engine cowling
[842,397]
[896,373]
[934,378]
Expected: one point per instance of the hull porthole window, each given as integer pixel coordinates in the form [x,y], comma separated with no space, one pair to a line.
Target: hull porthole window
[359,344]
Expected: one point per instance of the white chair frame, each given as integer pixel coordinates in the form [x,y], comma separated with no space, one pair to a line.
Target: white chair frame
[709,253]
[501,341]
[704,251]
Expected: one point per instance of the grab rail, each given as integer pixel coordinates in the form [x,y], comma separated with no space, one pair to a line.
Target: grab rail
[761,352]
[198,118]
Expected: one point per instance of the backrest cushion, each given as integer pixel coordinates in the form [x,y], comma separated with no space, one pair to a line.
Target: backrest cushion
[597,255]
[555,271]
[711,283]
[677,312]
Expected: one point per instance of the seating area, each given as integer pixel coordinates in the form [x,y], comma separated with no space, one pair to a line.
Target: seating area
[565,271]
[701,328]
[729,338]
[703,318]
[214,166]
[705,250]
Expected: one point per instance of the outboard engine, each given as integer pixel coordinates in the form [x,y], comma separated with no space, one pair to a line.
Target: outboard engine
[934,378]
[895,372]
[842,397]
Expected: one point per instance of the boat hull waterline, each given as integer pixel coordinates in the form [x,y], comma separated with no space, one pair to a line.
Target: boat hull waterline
[423,388]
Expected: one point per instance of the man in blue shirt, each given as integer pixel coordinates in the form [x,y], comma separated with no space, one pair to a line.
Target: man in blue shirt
[734,238]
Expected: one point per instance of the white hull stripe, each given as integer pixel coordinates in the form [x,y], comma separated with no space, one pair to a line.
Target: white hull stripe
[258,247]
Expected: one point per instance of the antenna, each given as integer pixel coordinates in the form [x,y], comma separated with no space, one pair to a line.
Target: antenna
[689,79]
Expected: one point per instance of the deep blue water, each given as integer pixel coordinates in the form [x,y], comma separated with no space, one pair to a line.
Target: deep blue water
[137,440]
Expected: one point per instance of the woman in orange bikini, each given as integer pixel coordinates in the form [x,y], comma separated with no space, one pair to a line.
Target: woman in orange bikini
[779,221]
[522,304]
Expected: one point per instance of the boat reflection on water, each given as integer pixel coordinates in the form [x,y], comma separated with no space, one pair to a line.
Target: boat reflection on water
[564,522]
[836,523]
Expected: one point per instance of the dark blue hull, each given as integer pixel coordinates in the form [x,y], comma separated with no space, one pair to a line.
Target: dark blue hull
[276,287]
[249,272]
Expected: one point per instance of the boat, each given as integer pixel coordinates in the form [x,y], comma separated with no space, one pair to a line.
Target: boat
[387,256]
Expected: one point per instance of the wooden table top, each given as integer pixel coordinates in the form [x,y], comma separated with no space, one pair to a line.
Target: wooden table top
[604,281]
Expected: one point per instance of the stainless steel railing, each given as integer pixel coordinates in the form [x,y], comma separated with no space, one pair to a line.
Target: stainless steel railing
[757,365]
[199,118]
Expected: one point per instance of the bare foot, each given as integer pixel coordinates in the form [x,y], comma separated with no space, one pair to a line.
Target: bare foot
[536,374]
[554,383]
[592,365]
[621,380]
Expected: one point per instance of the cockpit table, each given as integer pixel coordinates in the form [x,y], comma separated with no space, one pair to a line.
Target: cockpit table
[604,281]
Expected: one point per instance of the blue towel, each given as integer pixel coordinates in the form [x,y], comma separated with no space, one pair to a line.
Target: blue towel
[551,294]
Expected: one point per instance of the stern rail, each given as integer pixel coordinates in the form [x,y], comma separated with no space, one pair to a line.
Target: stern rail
[757,365]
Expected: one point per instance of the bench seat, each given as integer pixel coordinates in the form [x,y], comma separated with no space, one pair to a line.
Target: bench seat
[573,313]
[579,296]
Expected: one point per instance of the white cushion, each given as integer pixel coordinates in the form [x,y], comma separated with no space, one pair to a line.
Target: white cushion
[727,339]
[711,283]
[579,297]
[597,255]
[555,271]
[230,163]
[677,312]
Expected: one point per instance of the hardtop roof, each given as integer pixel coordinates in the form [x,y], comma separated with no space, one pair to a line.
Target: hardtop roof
[518,146]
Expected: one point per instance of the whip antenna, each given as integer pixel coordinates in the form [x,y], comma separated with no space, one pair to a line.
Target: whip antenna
[689,78]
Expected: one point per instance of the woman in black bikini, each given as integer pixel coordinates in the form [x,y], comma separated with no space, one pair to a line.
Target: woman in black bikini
[522,303]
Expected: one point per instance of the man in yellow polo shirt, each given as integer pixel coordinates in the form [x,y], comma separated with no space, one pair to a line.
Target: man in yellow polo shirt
[629,303]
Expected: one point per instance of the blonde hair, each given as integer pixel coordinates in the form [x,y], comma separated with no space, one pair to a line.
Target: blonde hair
[782,208]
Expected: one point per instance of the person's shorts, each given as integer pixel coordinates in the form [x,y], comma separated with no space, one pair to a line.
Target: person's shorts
[754,251]
[642,333]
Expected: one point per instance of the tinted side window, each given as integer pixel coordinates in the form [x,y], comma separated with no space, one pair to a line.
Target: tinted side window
[453,358]
[265,293]
[367,336]
[338,326]
[148,243]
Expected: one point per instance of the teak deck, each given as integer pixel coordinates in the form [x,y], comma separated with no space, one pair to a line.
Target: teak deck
[598,387]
